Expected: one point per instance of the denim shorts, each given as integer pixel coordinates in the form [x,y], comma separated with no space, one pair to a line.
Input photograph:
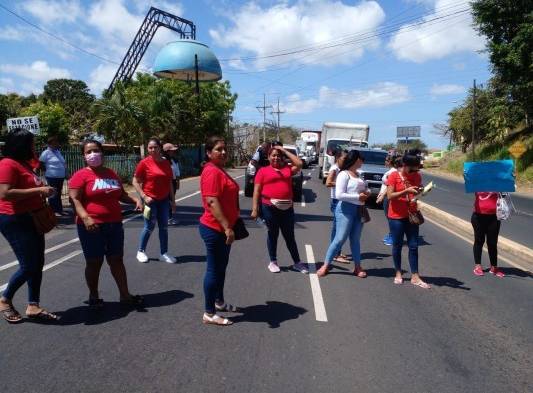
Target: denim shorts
[107,241]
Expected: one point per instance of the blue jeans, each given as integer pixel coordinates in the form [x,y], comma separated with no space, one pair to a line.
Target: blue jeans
[217,261]
[107,240]
[159,212]
[332,206]
[275,220]
[55,201]
[398,229]
[28,246]
[386,210]
[349,225]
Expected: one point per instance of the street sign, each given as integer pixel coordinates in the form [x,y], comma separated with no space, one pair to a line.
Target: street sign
[30,123]
[517,149]
[408,132]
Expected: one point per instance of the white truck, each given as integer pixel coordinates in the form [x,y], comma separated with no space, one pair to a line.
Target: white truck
[339,136]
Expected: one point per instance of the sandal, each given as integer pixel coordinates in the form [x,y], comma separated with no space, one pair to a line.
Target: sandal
[341,259]
[323,271]
[359,272]
[216,320]
[44,315]
[421,284]
[226,307]
[398,280]
[11,315]
[133,300]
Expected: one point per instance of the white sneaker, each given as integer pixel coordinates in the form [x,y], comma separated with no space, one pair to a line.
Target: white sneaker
[167,258]
[142,257]
[273,267]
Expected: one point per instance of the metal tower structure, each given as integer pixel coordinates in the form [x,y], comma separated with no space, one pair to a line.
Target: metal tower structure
[154,18]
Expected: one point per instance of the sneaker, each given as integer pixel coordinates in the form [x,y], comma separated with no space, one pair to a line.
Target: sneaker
[172,221]
[478,271]
[388,242]
[273,267]
[497,272]
[142,257]
[301,267]
[167,258]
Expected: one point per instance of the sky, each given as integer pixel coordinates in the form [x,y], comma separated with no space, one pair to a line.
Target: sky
[385,63]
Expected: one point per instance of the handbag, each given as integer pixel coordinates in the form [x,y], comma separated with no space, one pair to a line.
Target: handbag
[44,218]
[239,229]
[364,213]
[415,217]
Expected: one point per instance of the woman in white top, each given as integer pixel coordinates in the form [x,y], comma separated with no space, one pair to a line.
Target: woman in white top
[170,153]
[352,192]
[393,162]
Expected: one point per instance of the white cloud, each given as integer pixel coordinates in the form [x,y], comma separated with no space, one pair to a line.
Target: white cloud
[437,39]
[381,95]
[51,12]
[446,89]
[101,77]
[6,85]
[38,71]
[459,66]
[10,33]
[263,31]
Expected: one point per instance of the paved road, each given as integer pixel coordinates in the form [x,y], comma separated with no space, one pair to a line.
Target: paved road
[450,196]
[465,334]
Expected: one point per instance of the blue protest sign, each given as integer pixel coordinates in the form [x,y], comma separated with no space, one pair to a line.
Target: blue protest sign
[489,176]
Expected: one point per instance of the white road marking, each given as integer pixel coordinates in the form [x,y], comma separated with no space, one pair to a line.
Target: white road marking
[241,192]
[303,184]
[309,174]
[48,250]
[303,199]
[318,300]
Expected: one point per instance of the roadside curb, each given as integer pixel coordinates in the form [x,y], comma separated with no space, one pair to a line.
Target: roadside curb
[464,228]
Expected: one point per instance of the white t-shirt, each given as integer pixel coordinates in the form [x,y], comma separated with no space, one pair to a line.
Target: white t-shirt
[384,180]
[348,188]
[335,168]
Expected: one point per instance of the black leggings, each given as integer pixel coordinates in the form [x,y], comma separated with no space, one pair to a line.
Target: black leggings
[485,226]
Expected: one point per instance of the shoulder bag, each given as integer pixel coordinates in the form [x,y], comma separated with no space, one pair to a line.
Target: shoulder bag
[415,217]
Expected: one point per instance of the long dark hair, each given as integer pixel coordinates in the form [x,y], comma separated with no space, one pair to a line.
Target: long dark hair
[19,145]
[410,159]
[211,143]
[351,158]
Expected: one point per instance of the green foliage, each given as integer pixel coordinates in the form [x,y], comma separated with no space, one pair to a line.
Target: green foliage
[508,26]
[412,144]
[53,119]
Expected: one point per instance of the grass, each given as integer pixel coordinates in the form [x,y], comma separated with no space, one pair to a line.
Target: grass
[453,162]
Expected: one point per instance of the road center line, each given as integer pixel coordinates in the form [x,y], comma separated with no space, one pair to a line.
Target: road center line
[305,181]
[318,300]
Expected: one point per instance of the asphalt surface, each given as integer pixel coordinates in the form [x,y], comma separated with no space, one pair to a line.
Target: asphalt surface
[466,333]
[449,195]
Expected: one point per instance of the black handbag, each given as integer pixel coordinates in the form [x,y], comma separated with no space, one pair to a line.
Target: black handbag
[365,214]
[239,229]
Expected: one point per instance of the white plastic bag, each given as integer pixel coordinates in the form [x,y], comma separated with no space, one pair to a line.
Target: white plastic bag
[504,206]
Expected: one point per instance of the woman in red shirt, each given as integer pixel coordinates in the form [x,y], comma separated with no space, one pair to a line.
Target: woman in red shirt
[220,199]
[96,192]
[22,192]
[273,185]
[486,226]
[153,181]
[402,186]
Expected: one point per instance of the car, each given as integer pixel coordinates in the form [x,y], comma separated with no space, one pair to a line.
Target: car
[251,170]
[306,157]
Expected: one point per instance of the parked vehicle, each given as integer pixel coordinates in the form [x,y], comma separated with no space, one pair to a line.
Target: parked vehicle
[339,136]
[311,143]
[373,169]
[252,168]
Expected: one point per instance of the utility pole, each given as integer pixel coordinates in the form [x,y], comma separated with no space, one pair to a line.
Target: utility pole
[474,123]
[278,112]
[263,109]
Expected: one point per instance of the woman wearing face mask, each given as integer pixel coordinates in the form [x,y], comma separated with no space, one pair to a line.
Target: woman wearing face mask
[153,181]
[402,186]
[273,186]
[220,199]
[96,192]
[22,192]
[352,192]
[340,155]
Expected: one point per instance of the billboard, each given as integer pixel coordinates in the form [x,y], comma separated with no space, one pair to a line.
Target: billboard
[408,132]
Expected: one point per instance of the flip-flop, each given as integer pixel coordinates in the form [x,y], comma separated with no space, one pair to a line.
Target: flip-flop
[216,320]
[226,307]
[398,280]
[341,259]
[44,315]
[421,284]
[11,315]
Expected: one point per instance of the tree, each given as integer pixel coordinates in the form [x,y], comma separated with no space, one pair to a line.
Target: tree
[385,146]
[412,144]
[508,26]
[53,119]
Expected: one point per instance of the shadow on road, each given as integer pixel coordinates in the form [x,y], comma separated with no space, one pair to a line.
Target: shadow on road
[273,313]
[114,310]
[446,282]
[514,272]
[309,195]
[374,255]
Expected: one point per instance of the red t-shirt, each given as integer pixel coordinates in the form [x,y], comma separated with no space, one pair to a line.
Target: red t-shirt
[277,183]
[19,176]
[155,177]
[485,202]
[214,182]
[399,208]
[101,194]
